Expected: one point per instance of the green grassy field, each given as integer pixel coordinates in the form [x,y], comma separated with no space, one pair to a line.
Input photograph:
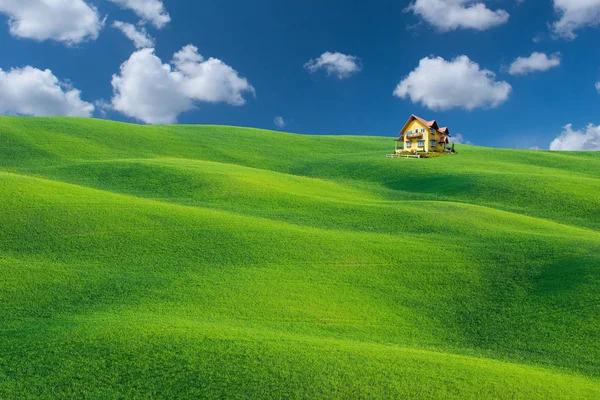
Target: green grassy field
[220,262]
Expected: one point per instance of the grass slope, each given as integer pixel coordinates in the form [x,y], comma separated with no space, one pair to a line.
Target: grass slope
[207,261]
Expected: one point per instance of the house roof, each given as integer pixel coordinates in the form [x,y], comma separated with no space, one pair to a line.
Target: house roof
[430,124]
[445,131]
[444,140]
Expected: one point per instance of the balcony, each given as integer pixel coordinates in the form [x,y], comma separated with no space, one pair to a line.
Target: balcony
[414,135]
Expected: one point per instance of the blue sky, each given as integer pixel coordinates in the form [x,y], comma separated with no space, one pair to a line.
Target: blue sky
[453,57]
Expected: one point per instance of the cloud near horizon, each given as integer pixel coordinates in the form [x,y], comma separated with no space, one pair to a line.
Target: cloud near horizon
[459,139]
[460,83]
[449,15]
[70,22]
[341,65]
[279,122]
[572,140]
[31,91]
[157,93]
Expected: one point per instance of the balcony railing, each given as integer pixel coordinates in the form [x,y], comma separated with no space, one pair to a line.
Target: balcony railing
[414,135]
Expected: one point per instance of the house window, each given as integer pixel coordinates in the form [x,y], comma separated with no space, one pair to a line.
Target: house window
[409,144]
[408,132]
[422,130]
[432,131]
[433,143]
[421,143]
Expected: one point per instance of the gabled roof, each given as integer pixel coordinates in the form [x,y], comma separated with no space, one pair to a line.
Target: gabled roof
[430,124]
[445,131]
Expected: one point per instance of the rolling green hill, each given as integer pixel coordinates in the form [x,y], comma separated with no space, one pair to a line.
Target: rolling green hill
[221,262]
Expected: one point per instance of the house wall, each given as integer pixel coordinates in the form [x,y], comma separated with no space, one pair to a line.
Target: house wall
[437,136]
[427,136]
[415,124]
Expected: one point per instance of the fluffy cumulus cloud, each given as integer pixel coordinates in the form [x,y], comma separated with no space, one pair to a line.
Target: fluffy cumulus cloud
[449,15]
[535,62]
[137,35]
[598,86]
[30,91]
[156,93]
[575,14]
[279,122]
[441,85]
[71,22]
[152,11]
[583,140]
[341,65]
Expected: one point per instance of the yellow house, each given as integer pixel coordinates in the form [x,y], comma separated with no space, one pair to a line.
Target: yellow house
[420,135]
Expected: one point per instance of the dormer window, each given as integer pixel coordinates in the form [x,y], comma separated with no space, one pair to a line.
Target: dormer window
[432,131]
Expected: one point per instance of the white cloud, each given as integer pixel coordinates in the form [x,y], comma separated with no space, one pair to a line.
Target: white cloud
[537,38]
[598,86]
[30,91]
[575,14]
[449,15]
[338,64]
[279,122]
[152,11]
[210,80]
[441,85]
[535,62]
[71,22]
[102,108]
[156,93]
[588,140]
[138,36]
[457,139]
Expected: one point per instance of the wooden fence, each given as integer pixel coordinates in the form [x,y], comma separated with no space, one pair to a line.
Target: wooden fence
[403,156]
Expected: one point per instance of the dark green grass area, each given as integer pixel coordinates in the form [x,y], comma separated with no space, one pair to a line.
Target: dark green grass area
[222,262]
